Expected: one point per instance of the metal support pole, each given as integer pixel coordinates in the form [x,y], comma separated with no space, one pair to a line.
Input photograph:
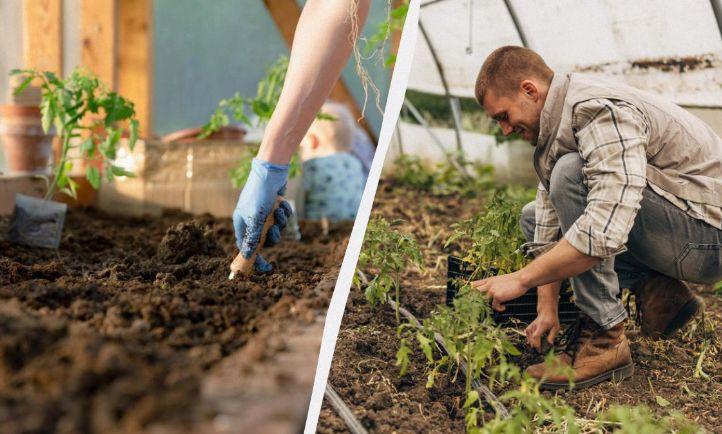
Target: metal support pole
[434,138]
[456,115]
[517,25]
[717,8]
[442,76]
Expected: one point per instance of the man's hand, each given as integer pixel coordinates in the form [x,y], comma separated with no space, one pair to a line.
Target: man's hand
[501,289]
[265,182]
[547,320]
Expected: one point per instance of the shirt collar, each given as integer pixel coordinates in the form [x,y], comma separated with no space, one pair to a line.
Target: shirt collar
[551,113]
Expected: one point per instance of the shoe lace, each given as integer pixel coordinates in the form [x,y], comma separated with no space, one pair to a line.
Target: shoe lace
[572,336]
[637,316]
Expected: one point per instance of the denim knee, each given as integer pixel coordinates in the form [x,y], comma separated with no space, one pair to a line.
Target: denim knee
[566,178]
[527,220]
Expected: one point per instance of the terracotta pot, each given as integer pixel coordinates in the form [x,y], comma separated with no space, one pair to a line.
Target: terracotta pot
[27,147]
[191,135]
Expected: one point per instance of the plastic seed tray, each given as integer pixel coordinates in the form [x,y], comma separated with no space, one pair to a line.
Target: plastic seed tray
[522,309]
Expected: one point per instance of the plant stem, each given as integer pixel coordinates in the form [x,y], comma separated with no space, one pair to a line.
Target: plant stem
[469,366]
[396,285]
[59,168]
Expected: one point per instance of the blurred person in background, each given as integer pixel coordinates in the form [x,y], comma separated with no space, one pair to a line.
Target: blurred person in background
[333,178]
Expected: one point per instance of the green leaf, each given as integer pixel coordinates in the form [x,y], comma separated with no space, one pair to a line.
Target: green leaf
[661,401]
[26,82]
[326,116]
[430,379]
[119,171]
[471,398]
[425,344]
[52,78]
[93,175]
[47,108]
[133,134]
[402,358]
[73,188]
[88,147]
[108,148]
[510,348]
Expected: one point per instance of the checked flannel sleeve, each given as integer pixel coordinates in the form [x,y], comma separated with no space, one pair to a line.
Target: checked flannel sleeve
[612,137]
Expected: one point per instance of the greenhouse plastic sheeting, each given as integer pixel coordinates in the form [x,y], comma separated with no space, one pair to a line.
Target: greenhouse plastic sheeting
[671,47]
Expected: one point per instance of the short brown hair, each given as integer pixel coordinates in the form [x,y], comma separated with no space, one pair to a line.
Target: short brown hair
[506,67]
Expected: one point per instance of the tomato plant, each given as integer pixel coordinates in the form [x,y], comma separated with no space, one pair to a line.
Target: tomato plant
[388,252]
[493,237]
[82,106]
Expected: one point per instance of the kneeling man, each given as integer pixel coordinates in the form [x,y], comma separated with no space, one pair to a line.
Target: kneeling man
[630,196]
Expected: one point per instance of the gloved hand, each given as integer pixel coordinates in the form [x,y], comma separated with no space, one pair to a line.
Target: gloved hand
[265,182]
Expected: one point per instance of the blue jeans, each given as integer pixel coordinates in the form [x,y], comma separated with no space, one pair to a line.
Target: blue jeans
[663,239]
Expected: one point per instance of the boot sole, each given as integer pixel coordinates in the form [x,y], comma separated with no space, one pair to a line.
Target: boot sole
[617,374]
[685,315]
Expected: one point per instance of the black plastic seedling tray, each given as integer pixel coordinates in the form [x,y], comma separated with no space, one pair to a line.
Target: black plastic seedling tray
[522,309]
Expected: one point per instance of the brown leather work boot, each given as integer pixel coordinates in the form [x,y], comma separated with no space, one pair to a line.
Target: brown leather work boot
[664,305]
[593,354]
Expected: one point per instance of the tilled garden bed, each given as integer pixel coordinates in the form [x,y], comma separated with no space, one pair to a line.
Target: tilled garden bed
[117,330]
[365,376]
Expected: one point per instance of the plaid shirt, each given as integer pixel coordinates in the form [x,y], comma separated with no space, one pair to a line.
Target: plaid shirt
[612,137]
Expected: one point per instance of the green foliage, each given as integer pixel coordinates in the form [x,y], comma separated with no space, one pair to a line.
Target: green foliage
[388,252]
[471,337]
[410,172]
[82,103]
[402,355]
[718,288]
[530,410]
[262,104]
[640,420]
[444,178]
[494,236]
[376,44]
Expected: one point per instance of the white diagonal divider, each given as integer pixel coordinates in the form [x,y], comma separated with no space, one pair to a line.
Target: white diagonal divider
[395,99]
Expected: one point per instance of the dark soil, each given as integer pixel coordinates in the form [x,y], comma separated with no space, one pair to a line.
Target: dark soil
[364,374]
[115,330]
[363,370]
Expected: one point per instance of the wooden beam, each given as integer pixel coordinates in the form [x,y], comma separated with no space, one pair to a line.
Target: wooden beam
[98,29]
[135,59]
[43,35]
[285,14]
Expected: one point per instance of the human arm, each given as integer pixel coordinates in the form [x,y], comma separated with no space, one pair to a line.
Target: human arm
[612,136]
[322,44]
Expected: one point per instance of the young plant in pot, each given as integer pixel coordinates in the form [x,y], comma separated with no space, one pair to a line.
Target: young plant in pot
[88,119]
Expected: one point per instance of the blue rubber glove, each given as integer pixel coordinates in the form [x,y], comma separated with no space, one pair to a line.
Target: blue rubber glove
[265,182]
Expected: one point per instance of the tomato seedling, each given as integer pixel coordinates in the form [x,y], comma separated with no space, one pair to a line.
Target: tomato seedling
[82,106]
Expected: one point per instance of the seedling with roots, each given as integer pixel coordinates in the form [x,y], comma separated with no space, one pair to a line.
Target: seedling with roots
[82,106]
[387,252]
[471,338]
